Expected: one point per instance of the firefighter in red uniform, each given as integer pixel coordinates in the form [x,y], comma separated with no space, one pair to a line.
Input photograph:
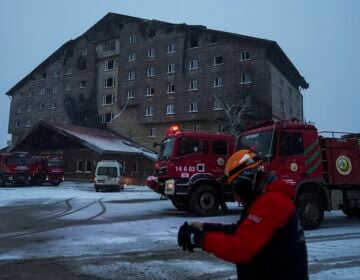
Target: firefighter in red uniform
[267,242]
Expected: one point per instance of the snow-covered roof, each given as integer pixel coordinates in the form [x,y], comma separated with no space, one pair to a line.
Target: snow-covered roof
[99,140]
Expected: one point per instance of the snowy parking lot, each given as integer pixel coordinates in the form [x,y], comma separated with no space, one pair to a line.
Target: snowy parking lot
[72,232]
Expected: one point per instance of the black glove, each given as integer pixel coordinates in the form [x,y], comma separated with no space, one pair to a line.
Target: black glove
[189,237]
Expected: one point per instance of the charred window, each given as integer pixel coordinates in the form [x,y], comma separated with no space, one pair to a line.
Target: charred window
[152,33]
[291,143]
[213,39]
[194,41]
[220,148]
[218,60]
[189,146]
[82,64]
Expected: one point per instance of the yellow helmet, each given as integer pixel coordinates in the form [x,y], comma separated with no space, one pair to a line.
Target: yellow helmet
[239,162]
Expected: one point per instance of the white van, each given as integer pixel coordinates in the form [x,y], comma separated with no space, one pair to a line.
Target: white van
[108,176]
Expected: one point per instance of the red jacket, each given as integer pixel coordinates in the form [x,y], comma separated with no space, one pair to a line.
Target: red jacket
[268,213]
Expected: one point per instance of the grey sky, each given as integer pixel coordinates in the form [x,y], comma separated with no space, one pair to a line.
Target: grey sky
[321,38]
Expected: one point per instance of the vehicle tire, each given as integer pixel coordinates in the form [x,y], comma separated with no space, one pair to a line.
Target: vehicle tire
[311,210]
[96,189]
[2,183]
[182,206]
[352,212]
[204,201]
[56,184]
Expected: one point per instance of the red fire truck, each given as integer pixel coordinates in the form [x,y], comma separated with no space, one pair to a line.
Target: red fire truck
[325,171]
[47,169]
[188,167]
[15,168]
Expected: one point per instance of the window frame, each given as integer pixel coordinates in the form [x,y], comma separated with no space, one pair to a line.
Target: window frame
[170,109]
[171,48]
[109,46]
[194,64]
[218,82]
[131,76]
[216,62]
[105,96]
[171,69]
[149,111]
[170,88]
[107,82]
[131,57]
[218,106]
[53,104]
[193,85]
[132,39]
[130,94]
[150,72]
[193,107]
[151,52]
[245,55]
[150,91]
[107,68]
[245,79]
[152,132]
[104,118]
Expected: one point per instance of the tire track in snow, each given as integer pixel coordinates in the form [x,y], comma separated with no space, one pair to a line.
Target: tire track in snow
[65,223]
[334,263]
[333,237]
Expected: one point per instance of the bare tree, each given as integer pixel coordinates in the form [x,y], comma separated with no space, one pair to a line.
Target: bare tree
[239,111]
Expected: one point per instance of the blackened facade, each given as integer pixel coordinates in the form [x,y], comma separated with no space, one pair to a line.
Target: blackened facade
[137,77]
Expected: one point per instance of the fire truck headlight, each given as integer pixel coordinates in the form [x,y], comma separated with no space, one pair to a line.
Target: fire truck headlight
[170,186]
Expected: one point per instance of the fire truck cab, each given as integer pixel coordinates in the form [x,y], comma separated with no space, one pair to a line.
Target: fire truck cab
[15,168]
[47,170]
[187,168]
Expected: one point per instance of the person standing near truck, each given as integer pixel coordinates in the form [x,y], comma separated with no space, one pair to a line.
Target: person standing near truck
[268,241]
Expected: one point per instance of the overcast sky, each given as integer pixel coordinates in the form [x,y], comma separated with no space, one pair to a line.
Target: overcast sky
[321,38]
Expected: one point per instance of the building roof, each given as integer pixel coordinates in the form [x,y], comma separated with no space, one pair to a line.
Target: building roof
[99,140]
[274,52]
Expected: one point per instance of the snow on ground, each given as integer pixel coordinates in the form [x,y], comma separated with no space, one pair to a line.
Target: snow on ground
[135,220]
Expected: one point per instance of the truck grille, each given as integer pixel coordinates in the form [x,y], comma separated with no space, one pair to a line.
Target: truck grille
[161,171]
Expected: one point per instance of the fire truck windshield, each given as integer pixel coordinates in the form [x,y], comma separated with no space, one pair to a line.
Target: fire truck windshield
[166,148]
[261,142]
[18,160]
[55,163]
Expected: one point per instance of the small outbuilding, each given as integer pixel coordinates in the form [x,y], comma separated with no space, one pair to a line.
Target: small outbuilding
[83,147]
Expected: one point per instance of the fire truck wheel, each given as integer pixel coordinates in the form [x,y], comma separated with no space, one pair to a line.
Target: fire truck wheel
[204,200]
[352,212]
[2,183]
[182,206]
[311,210]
